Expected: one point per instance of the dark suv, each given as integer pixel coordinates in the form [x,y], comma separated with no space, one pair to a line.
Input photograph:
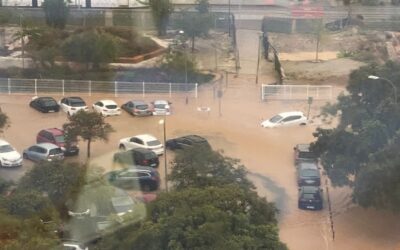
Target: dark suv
[308,174]
[186,141]
[302,153]
[137,156]
[310,198]
[145,178]
[56,136]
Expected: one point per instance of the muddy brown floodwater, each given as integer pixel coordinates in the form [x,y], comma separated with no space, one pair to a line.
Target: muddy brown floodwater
[267,153]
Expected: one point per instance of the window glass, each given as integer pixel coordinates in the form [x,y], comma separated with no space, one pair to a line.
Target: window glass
[6,149]
[275,119]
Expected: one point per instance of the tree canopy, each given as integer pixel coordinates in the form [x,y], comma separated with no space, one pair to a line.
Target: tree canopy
[195,24]
[161,10]
[4,121]
[359,152]
[56,12]
[90,126]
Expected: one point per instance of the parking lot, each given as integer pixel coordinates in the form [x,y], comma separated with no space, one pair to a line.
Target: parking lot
[232,125]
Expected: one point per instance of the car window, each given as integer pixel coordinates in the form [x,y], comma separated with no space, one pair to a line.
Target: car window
[307,155]
[41,150]
[142,106]
[153,143]
[291,118]
[76,103]
[63,100]
[111,106]
[143,174]
[275,119]
[309,173]
[309,196]
[6,149]
[48,102]
[55,151]
[130,104]
[100,104]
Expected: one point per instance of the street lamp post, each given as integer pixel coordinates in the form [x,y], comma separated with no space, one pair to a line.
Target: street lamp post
[388,81]
[258,57]
[163,122]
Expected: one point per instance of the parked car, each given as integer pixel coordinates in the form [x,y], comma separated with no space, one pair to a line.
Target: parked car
[71,105]
[302,153]
[57,137]
[106,108]
[9,157]
[137,157]
[161,107]
[44,104]
[310,198]
[137,108]
[43,152]
[186,141]
[308,174]
[142,141]
[145,178]
[285,119]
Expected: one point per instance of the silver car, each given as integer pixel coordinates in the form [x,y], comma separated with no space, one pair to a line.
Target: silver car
[43,152]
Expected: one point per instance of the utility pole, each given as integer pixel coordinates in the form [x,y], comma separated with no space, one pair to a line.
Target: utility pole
[258,57]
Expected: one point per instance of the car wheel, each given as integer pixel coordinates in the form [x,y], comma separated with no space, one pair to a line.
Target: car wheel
[25,156]
[122,147]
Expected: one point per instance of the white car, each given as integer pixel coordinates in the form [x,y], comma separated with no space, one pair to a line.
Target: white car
[71,105]
[142,141]
[161,107]
[285,119]
[9,157]
[106,108]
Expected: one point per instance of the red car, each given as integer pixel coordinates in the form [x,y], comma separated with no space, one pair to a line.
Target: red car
[56,136]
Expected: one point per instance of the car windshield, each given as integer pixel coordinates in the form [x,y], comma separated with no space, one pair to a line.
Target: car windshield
[142,106]
[309,196]
[154,143]
[111,106]
[307,155]
[77,103]
[55,151]
[159,106]
[59,138]
[6,149]
[275,119]
[309,173]
[49,102]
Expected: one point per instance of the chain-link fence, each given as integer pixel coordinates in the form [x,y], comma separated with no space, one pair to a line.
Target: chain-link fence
[63,87]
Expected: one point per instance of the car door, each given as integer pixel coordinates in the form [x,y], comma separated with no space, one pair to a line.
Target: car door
[136,143]
[98,107]
[35,153]
[63,104]
[126,178]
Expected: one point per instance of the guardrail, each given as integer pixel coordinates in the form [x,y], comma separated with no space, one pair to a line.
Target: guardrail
[296,92]
[63,87]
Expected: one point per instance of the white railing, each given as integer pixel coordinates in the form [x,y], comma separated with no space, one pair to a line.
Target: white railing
[296,92]
[63,87]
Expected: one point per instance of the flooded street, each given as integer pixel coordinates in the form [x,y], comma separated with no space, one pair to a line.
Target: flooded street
[233,125]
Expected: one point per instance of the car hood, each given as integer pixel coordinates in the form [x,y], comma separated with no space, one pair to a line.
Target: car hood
[11,156]
[268,124]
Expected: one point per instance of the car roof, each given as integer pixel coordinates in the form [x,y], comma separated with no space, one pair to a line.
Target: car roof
[74,98]
[303,147]
[3,142]
[138,102]
[284,114]
[54,131]
[146,137]
[47,145]
[108,102]
[161,102]
[308,165]
[44,98]
[195,138]
[309,189]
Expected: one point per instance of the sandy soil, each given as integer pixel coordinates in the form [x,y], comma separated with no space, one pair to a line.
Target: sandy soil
[267,154]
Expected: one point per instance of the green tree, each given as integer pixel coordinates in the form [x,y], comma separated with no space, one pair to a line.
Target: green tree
[200,167]
[56,12]
[4,121]
[90,47]
[353,152]
[161,10]
[195,25]
[57,180]
[90,126]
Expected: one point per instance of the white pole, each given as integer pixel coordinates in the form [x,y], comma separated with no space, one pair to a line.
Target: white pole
[143,89]
[115,88]
[35,87]
[196,91]
[170,90]
[9,85]
[63,87]
[90,87]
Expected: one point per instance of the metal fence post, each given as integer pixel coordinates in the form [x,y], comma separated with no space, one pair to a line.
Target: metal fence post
[9,85]
[170,90]
[196,93]
[63,86]
[262,92]
[90,87]
[143,90]
[115,88]
[35,87]
[308,94]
